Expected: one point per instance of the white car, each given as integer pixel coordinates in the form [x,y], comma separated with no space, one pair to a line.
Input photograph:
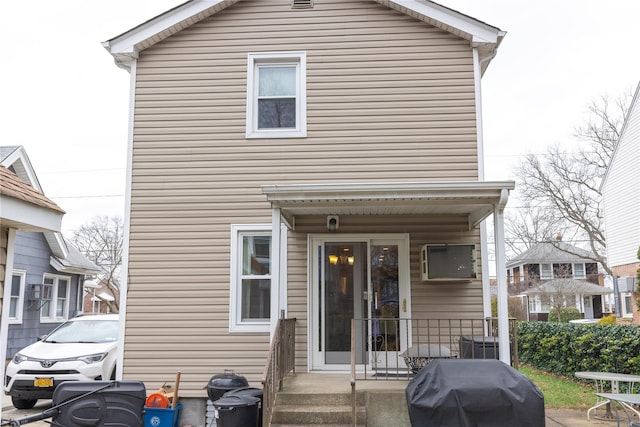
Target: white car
[81,349]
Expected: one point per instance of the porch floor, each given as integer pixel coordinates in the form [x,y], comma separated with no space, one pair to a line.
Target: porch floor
[339,383]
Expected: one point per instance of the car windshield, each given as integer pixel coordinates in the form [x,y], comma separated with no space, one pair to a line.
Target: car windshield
[85,331]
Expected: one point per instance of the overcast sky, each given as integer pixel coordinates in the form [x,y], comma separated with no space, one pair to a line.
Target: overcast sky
[66,102]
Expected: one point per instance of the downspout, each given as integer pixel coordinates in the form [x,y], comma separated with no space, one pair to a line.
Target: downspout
[6,298]
[276,243]
[484,245]
[124,284]
[498,228]
[501,279]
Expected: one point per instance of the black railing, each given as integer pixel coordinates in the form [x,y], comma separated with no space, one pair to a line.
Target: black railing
[393,348]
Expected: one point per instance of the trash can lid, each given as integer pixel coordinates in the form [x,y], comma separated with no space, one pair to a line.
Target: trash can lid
[236,401]
[245,391]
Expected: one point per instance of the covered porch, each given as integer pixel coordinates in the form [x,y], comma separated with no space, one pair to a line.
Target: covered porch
[460,208]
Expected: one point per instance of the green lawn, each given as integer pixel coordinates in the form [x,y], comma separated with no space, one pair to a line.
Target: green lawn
[561,392]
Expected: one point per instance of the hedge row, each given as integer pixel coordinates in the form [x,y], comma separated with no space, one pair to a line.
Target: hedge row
[566,348]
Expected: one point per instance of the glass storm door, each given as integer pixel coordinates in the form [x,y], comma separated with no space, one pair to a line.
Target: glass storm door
[358,279]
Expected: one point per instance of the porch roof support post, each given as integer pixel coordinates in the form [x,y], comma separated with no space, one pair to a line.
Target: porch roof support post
[275,269]
[501,280]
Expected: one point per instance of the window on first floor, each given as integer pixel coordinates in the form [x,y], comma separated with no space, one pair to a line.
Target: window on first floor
[55,298]
[250,278]
[16,303]
[627,304]
[276,95]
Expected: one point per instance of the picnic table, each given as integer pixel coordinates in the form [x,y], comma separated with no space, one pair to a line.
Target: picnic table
[609,383]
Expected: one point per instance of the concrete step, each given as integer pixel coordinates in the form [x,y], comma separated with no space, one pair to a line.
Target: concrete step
[312,425]
[321,399]
[316,414]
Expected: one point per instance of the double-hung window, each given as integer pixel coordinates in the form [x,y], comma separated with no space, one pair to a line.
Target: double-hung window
[251,269]
[250,278]
[16,302]
[579,271]
[55,298]
[546,272]
[276,95]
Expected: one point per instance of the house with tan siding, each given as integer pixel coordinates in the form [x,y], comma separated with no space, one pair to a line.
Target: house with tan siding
[318,161]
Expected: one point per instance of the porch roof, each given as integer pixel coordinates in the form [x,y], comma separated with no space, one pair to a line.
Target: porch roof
[476,200]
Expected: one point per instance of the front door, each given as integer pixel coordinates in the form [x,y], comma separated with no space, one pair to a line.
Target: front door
[361,278]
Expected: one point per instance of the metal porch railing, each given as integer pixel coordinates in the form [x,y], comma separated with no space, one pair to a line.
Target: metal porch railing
[280,361]
[393,348]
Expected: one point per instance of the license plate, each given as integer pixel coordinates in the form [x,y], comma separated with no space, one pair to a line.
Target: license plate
[43,382]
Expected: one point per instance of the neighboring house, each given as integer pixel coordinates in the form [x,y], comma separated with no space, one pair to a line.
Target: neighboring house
[294,158]
[621,196]
[99,298]
[47,274]
[557,269]
[22,208]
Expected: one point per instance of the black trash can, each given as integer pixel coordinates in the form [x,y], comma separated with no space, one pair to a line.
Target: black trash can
[479,347]
[237,411]
[221,383]
[249,391]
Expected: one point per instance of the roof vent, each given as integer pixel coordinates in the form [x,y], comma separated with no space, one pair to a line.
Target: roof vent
[301,4]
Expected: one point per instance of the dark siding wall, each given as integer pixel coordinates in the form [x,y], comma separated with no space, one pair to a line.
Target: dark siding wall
[32,254]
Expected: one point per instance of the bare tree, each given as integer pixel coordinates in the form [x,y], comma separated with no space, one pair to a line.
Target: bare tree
[101,241]
[565,185]
[530,226]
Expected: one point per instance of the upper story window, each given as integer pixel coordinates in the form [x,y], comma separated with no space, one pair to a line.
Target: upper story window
[579,271]
[55,298]
[276,95]
[545,271]
[16,302]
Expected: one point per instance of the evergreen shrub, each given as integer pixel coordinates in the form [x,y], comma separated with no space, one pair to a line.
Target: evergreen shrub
[566,348]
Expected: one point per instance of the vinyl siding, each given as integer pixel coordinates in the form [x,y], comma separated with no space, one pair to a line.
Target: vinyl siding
[4,242]
[622,194]
[389,98]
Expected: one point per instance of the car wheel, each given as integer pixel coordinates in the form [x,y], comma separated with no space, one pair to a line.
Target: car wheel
[23,403]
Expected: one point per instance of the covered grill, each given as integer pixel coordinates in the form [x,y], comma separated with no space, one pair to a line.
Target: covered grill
[473,393]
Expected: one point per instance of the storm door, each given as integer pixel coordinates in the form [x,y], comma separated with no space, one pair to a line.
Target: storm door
[364,279]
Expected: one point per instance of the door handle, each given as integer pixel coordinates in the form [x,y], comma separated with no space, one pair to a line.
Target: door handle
[404,305]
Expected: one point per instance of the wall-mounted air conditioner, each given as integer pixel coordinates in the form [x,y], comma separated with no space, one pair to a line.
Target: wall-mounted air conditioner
[448,262]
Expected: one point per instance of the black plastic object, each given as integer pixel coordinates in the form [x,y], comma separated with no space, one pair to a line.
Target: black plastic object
[237,411]
[479,347]
[472,393]
[221,383]
[249,391]
[121,404]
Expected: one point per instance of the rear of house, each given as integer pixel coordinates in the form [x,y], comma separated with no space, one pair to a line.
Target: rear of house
[305,160]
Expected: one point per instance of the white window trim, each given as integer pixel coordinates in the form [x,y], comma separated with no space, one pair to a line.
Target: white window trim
[584,271]
[235,322]
[54,300]
[286,58]
[20,306]
[623,307]
[548,275]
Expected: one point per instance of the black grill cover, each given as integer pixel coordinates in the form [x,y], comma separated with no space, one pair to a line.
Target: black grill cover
[473,393]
